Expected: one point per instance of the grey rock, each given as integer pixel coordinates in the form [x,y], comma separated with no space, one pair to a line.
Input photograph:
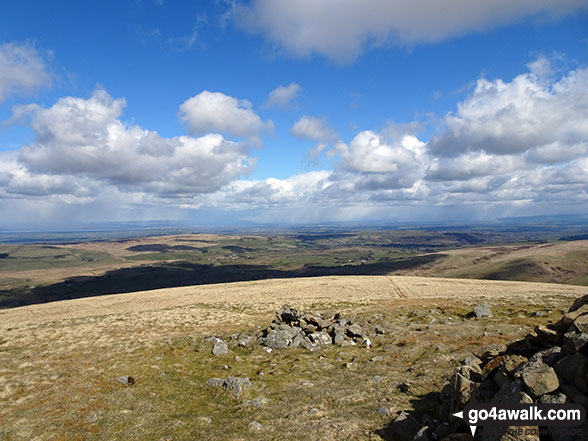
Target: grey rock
[512,392]
[379,330]
[245,341]
[405,426]
[258,402]
[127,380]
[575,342]
[572,369]
[555,398]
[383,410]
[538,314]
[539,378]
[480,311]
[212,339]
[236,385]
[220,348]
[355,330]
[461,389]
[287,314]
[579,303]
[581,324]
[255,426]
[379,378]
[404,388]
[215,382]
[321,338]
[278,339]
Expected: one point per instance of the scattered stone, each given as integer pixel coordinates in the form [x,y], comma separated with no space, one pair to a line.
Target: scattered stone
[255,426]
[379,330]
[205,420]
[480,311]
[214,382]
[236,385]
[538,314]
[258,402]
[313,411]
[379,378]
[378,358]
[383,410]
[127,380]
[220,348]
[404,388]
[367,342]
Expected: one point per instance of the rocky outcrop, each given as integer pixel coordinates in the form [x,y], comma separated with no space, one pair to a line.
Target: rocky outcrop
[310,331]
[550,365]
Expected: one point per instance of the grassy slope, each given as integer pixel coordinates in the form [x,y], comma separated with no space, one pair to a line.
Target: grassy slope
[59,361]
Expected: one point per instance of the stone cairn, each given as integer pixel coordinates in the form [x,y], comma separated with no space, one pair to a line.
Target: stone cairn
[310,331]
[549,365]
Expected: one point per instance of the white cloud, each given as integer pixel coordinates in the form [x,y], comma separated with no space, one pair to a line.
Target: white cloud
[314,129]
[283,96]
[216,112]
[23,69]
[83,146]
[342,29]
[529,113]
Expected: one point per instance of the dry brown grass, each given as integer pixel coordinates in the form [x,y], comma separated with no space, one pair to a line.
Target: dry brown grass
[58,361]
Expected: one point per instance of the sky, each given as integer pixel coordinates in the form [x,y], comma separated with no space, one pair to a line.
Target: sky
[228,112]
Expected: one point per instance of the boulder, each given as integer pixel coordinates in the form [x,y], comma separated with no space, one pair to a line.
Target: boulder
[405,426]
[480,311]
[236,385]
[540,379]
[220,348]
[572,370]
[278,339]
[578,303]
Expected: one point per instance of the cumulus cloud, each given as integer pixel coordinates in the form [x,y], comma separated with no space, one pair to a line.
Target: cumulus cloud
[23,69]
[216,112]
[283,96]
[528,113]
[341,29]
[82,145]
[314,129]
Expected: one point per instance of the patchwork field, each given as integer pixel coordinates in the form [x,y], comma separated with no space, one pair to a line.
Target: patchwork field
[59,361]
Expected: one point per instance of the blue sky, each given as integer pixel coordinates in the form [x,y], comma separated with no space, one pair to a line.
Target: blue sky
[281,111]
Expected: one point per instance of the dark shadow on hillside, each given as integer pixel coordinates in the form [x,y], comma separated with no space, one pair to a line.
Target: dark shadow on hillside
[176,274]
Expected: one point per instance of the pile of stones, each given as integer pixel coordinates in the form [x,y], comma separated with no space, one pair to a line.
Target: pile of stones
[291,328]
[549,365]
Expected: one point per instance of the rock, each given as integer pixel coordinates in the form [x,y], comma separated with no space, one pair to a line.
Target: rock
[461,388]
[378,358]
[379,330]
[287,314]
[278,339]
[538,314]
[212,339]
[405,426]
[555,398]
[258,402]
[236,385]
[579,303]
[576,342]
[581,324]
[512,392]
[127,380]
[321,338]
[574,394]
[355,330]
[255,426]
[205,420]
[245,341]
[540,379]
[379,378]
[383,410]
[214,382]
[424,434]
[220,348]
[404,388]
[367,342]
[572,369]
[480,311]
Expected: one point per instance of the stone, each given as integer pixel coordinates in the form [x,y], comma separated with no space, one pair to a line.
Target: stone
[355,330]
[379,330]
[555,398]
[404,388]
[214,382]
[480,311]
[573,394]
[572,369]
[547,334]
[424,434]
[278,339]
[575,342]
[540,379]
[127,380]
[220,348]
[255,426]
[581,324]
[256,403]
[461,388]
[245,341]
[205,420]
[538,314]
[383,410]
[212,339]
[287,314]
[405,426]
[236,385]
[320,338]
[578,303]
[367,342]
